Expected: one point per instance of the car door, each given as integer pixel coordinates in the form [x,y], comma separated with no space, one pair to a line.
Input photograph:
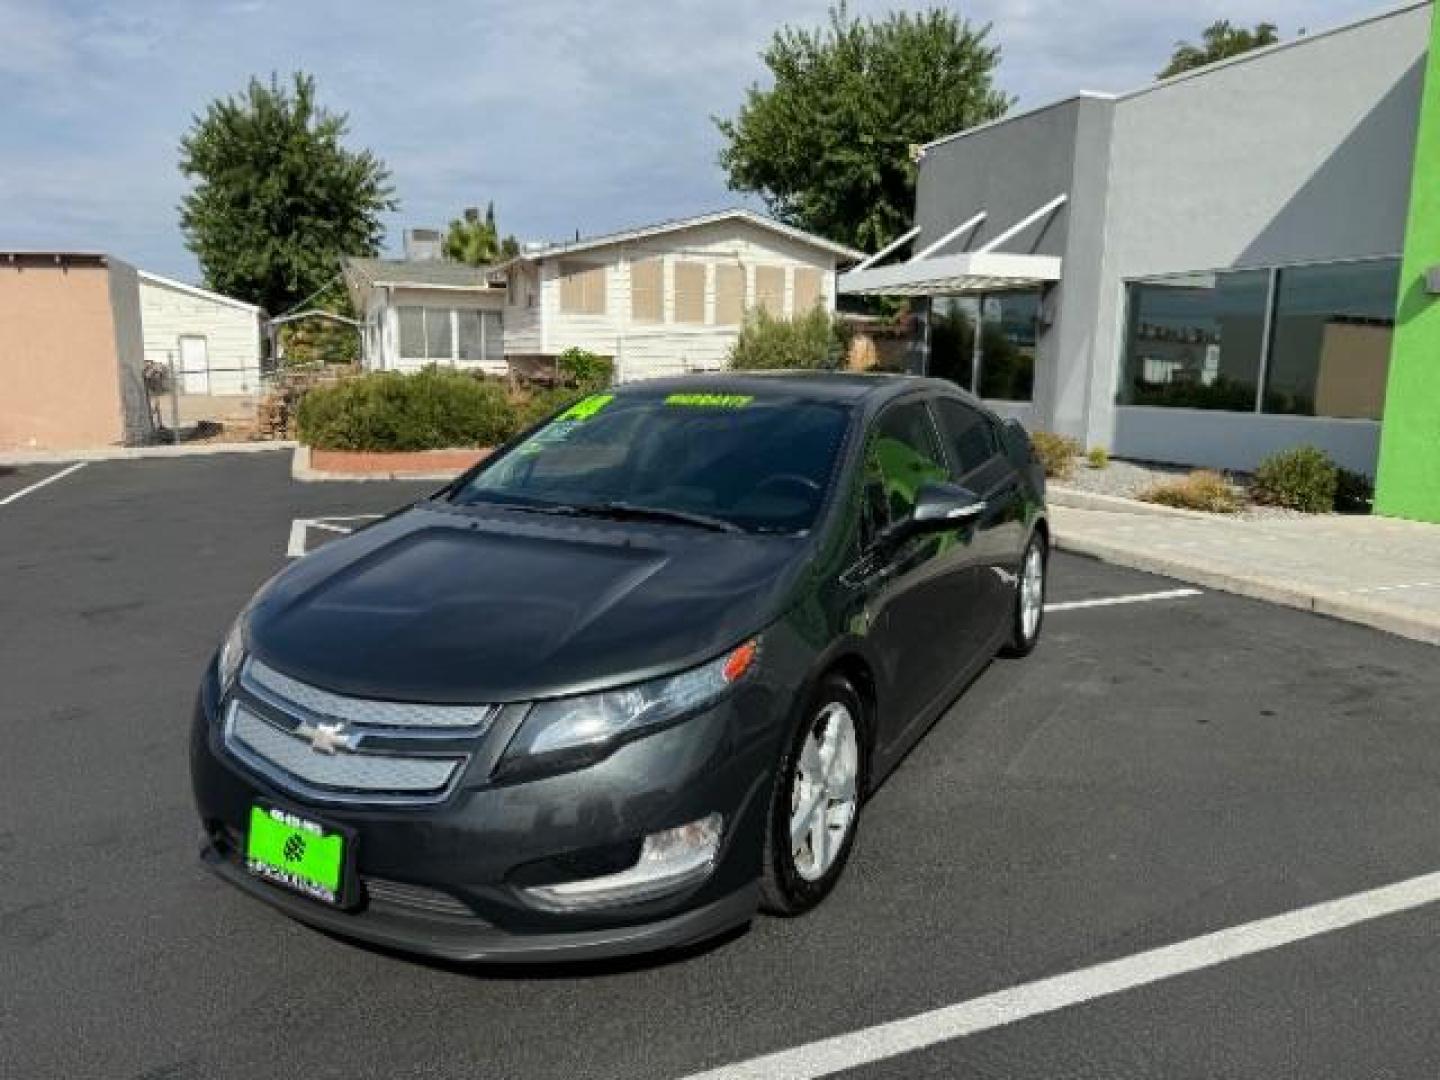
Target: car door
[915,590]
[978,462]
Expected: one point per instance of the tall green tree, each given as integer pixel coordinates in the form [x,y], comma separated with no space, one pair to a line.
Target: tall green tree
[277,196]
[476,241]
[829,146]
[1219,41]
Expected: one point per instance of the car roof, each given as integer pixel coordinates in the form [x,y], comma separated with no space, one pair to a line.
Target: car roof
[838,386]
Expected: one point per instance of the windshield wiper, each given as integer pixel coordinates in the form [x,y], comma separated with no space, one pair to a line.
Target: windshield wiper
[620,510]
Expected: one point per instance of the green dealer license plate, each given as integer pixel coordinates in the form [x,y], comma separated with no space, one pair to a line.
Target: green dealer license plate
[296,853]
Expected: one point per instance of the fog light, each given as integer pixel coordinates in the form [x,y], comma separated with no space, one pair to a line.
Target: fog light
[669,861]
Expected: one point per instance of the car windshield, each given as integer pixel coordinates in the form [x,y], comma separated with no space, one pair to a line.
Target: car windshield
[751,462]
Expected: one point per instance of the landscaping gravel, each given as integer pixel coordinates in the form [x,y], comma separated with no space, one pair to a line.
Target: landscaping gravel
[1128,479]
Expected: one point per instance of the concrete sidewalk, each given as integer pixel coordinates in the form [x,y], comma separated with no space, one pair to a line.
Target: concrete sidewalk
[1377,571]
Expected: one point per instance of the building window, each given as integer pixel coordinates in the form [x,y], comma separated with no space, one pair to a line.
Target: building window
[412,332]
[439,334]
[647,291]
[689,292]
[809,284]
[1330,347]
[582,289]
[729,295]
[482,336]
[1004,367]
[1196,341]
[770,290]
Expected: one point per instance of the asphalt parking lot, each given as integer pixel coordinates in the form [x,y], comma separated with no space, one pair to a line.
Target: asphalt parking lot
[1157,771]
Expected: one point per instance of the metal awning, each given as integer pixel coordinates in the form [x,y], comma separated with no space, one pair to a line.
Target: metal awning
[980,271]
[949,275]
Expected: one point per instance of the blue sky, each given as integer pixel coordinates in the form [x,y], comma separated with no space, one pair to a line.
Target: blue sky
[570,114]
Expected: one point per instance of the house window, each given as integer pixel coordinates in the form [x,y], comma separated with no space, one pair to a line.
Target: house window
[582,289]
[770,289]
[482,336]
[412,332]
[729,295]
[809,283]
[439,335]
[647,291]
[689,292]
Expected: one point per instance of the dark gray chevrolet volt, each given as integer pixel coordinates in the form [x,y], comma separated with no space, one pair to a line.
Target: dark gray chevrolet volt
[630,678]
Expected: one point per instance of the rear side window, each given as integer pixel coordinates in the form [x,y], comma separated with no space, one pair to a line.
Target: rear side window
[901,455]
[969,435]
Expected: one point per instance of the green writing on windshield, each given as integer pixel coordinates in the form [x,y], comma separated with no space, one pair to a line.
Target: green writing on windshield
[587,407]
[710,401]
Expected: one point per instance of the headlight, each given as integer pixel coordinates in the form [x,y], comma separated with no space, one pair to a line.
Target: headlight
[569,725]
[232,652]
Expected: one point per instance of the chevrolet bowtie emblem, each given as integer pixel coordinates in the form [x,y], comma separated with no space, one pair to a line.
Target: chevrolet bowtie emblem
[327,738]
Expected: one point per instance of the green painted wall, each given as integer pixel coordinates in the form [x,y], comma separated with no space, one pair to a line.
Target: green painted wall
[1408,480]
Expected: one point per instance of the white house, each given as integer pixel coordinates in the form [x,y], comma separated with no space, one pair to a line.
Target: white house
[212,341]
[424,310]
[667,298]
[660,299]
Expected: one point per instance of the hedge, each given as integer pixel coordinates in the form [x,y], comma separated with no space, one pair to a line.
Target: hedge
[433,409]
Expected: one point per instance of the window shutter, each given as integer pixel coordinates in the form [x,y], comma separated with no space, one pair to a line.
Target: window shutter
[770,289]
[647,291]
[689,292]
[729,295]
[808,285]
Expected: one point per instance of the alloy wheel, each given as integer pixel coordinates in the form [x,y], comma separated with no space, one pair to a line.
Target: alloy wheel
[824,794]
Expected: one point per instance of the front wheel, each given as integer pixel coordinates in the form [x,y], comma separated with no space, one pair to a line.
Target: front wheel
[816,806]
[1029,614]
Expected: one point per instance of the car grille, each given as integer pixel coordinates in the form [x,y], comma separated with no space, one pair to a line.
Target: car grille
[283,690]
[254,738]
[328,747]
[417,898]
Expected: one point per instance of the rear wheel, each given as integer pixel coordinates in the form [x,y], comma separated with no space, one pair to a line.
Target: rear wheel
[816,806]
[1029,614]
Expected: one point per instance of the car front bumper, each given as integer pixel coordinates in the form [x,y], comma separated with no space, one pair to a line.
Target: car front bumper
[450,880]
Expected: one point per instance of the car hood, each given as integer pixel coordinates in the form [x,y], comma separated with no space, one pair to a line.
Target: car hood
[451,604]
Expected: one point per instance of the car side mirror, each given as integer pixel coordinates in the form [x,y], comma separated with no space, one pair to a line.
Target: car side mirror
[944,506]
[938,507]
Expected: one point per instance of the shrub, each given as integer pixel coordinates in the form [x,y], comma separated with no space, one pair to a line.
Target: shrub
[767,343]
[1097,457]
[1303,478]
[584,370]
[1201,490]
[432,409]
[1056,452]
[1354,493]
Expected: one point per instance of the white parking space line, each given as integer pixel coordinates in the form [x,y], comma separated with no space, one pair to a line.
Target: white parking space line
[1133,598]
[300,530]
[868,1045]
[17,495]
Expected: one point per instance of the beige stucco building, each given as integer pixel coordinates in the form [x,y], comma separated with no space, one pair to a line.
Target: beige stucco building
[71,353]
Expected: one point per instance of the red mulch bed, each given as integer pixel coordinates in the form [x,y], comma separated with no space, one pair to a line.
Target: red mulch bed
[420,462]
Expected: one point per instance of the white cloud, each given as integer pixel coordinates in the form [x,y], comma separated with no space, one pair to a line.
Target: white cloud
[568,113]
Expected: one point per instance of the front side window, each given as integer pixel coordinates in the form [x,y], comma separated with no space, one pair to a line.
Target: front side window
[968,435]
[761,462]
[1330,349]
[901,456]
[1195,341]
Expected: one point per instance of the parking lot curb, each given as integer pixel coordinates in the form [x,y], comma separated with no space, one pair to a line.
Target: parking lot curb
[1060,495]
[133,453]
[1336,604]
[302,470]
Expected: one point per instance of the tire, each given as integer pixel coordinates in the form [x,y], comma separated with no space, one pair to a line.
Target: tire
[1025,629]
[794,881]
